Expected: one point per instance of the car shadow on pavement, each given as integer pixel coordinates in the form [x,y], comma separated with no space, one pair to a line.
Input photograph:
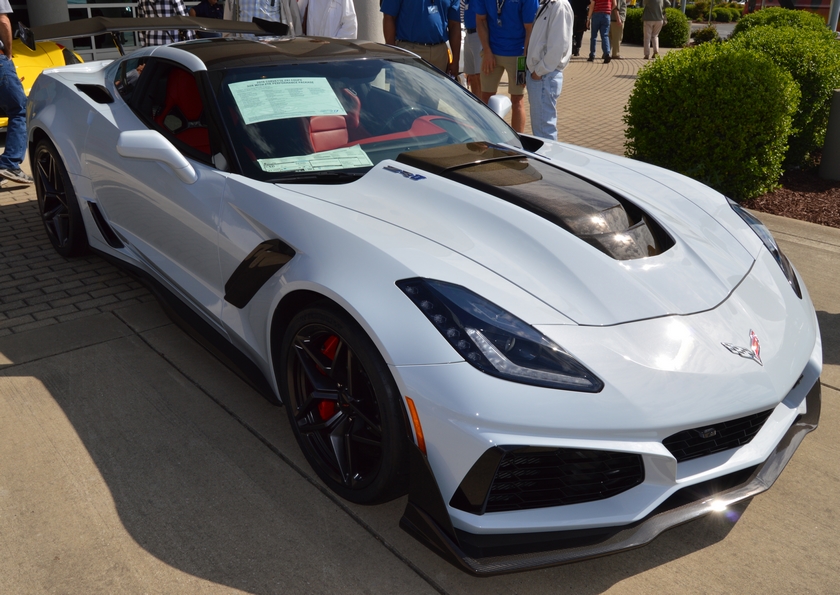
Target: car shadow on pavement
[194,466]
[830,331]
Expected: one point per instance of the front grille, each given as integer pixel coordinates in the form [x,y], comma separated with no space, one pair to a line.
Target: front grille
[691,444]
[538,478]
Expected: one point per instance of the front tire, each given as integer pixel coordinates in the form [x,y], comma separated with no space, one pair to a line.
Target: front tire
[344,406]
[57,202]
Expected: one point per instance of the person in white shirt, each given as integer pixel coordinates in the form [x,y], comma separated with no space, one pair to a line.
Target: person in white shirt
[329,18]
[548,53]
[280,11]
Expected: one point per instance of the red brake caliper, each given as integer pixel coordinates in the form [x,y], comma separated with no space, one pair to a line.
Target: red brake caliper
[326,409]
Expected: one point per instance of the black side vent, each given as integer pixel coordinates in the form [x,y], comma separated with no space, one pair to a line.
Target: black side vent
[96,92]
[106,230]
[535,477]
[706,440]
[257,268]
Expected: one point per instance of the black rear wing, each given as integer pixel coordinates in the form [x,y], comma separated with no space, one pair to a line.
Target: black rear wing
[103,25]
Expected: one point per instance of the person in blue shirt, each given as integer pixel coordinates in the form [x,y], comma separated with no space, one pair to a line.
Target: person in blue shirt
[504,28]
[424,27]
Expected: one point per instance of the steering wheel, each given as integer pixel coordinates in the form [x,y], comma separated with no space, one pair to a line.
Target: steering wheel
[400,113]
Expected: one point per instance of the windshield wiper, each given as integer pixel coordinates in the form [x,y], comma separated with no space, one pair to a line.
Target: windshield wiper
[318,177]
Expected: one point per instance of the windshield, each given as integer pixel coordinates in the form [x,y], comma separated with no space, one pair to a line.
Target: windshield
[333,121]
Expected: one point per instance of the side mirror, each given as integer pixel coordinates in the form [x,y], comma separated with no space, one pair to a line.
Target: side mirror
[152,146]
[500,104]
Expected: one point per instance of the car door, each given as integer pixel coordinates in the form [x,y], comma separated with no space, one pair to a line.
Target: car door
[169,219]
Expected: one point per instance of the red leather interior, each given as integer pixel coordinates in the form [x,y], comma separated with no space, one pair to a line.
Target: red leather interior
[422,126]
[327,132]
[182,93]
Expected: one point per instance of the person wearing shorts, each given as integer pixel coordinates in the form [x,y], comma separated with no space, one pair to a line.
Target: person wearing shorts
[472,48]
[504,28]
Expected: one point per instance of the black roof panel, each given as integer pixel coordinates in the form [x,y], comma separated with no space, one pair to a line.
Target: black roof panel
[230,52]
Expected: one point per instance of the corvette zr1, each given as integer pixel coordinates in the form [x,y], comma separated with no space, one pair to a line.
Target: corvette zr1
[556,352]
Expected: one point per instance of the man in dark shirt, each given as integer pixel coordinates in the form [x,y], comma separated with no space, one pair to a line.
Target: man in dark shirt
[207,9]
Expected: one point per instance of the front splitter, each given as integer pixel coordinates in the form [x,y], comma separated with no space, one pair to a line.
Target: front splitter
[426,517]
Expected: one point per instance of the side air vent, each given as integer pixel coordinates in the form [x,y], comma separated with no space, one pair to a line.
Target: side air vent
[96,92]
[523,477]
[706,440]
[257,268]
[106,230]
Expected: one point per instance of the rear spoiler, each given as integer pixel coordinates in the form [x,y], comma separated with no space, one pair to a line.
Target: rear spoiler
[101,25]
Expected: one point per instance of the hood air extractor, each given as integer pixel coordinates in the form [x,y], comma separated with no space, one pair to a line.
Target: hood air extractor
[608,222]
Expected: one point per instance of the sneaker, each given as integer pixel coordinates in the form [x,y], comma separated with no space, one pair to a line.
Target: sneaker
[607,59]
[16,175]
[590,59]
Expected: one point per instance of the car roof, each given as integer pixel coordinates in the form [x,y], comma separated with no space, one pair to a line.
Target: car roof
[230,52]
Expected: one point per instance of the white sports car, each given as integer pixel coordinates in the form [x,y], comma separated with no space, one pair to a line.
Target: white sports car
[557,353]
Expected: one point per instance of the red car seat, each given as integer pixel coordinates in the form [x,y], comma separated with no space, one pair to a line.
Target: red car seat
[182,97]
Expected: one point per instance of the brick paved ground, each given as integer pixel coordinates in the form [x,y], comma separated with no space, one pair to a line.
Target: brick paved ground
[39,288]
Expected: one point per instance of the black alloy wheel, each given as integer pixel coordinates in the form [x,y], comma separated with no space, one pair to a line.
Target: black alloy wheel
[57,202]
[343,406]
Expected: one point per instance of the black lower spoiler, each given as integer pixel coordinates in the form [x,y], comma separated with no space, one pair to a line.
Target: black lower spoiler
[103,25]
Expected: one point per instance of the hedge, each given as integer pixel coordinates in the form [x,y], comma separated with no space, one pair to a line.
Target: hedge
[782,17]
[814,63]
[741,104]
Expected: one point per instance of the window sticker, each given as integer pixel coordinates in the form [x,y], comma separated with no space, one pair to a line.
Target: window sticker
[346,158]
[276,99]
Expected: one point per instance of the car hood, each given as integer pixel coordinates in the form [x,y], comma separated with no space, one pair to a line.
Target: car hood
[599,252]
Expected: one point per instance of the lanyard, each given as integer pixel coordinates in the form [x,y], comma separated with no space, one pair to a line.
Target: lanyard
[499,7]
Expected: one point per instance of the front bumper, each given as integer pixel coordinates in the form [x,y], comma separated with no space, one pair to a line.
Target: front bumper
[427,519]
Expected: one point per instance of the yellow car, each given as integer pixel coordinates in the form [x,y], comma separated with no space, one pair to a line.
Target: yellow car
[30,63]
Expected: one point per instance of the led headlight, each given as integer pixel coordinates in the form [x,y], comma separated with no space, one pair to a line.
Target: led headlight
[494,340]
[762,232]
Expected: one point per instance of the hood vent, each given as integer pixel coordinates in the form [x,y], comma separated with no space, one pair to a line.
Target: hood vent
[608,222]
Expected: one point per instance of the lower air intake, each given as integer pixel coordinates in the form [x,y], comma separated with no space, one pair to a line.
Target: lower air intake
[706,440]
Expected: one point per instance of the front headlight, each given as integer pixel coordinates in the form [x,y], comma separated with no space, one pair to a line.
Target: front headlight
[762,232]
[494,340]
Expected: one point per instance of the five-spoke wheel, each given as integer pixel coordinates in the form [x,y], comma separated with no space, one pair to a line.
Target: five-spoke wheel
[57,202]
[343,406]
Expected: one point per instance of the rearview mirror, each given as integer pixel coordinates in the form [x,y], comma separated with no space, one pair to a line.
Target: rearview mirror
[152,146]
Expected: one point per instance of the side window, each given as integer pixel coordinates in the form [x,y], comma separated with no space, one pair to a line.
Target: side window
[127,77]
[172,104]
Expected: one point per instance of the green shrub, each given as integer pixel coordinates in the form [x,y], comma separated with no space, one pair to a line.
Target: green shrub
[738,150]
[735,14]
[676,31]
[691,11]
[814,63]
[702,7]
[633,28]
[705,35]
[782,17]
[721,15]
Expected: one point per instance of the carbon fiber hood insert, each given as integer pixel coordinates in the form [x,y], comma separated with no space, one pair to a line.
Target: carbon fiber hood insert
[608,222]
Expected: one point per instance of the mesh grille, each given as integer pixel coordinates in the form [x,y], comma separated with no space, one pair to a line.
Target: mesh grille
[561,476]
[690,444]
